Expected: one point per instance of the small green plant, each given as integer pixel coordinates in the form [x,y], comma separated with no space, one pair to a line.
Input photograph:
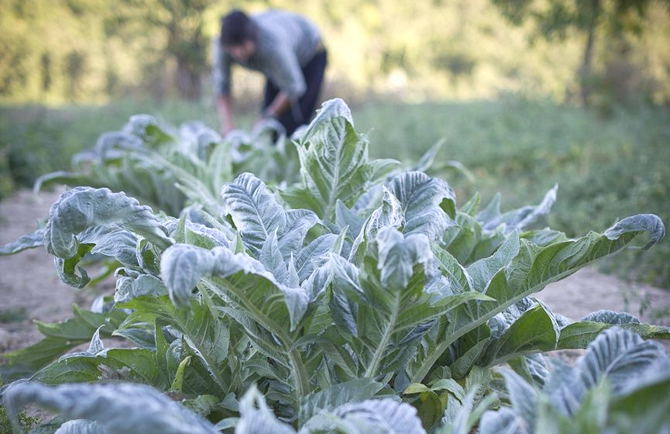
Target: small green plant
[12,315]
[23,421]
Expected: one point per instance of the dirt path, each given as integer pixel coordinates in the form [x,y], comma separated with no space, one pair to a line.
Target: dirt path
[30,289]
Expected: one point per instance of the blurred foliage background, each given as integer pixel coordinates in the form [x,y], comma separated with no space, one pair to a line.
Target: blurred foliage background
[526,93]
[60,51]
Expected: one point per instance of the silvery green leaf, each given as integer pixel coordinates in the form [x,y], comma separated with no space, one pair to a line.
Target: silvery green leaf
[343,311]
[81,426]
[220,165]
[533,368]
[457,277]
[256,417]
[262,342]
[148,257]
[353,391]
[611,317]
[266,129]
[398,254]
[658,373]
[83,207]
[345,275]
[385,416]
[643,409]
[128,287]
[182,266]
[143,410]
[519,219]
[534,330]
[96,346]
[523,396]
[199,234]
[369,201]
[318,281]
[544,237]
[503,421]
[28,241]
[461,416]
[537,365]
[333,108]
[344,217]
[206,137]
[491,211]
[334,165]
[255,211]
[528,272]
[292,237]
[389,215]
[147,128]
[292,280]
[190,131]
[59,338]
[273,261]
[193,331]
[649,223]
[87,155]
[72,179]
[314,255]
[578,334]
[429,204]
[483,270]
[296,299]
[619,355]
[113,242]
[111,141]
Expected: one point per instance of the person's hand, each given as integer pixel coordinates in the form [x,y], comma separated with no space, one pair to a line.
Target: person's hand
[259,122]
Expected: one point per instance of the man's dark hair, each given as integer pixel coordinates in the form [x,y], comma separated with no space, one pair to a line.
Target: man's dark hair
[237,27]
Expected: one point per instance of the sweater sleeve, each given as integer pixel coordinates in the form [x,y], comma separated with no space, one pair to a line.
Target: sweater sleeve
[286,73]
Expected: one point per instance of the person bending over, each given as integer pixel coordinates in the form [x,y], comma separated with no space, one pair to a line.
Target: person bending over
[287,48]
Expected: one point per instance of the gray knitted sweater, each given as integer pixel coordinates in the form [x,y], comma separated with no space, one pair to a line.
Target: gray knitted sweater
[286,42]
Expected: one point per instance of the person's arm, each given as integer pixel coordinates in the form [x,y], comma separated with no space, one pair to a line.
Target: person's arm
[224,104]
[286,73]
[221,81]
[278,106]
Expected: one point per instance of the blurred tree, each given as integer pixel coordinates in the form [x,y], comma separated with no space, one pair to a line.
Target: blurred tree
[553,19]
[457,49]
[177,27]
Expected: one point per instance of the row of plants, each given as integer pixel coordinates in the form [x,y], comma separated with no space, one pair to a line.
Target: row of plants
[608,168]
[342,294]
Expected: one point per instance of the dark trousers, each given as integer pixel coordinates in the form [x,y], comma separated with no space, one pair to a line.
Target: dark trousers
[301,111]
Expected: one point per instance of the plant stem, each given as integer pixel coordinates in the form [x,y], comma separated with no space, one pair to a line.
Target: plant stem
[371,372]
[203,352]
[300,378]
[442,347]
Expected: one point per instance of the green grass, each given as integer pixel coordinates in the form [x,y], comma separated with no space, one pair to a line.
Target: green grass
[25,422]
[12,315]
[607,168]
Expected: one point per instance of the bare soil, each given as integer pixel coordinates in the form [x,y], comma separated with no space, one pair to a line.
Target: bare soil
[30,289]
